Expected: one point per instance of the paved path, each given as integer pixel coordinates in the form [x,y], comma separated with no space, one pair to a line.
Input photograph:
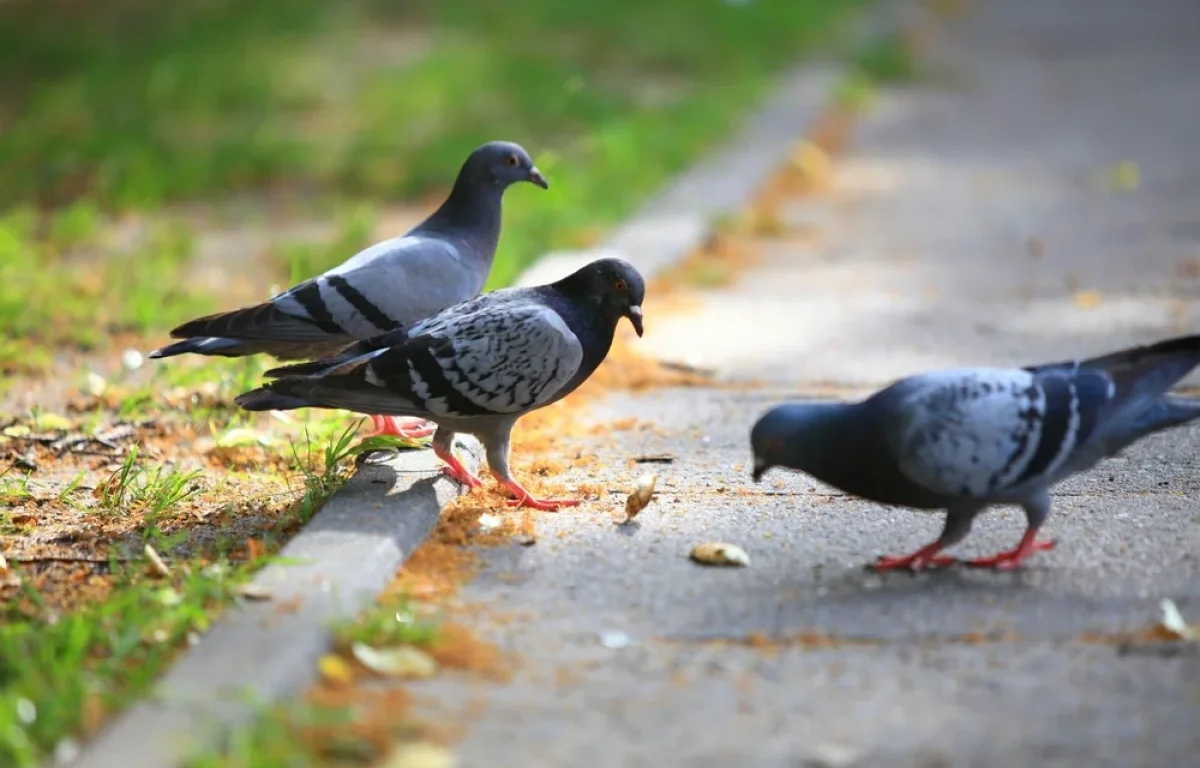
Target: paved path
[923,258]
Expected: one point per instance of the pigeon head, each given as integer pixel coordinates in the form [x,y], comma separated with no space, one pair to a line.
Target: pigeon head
[794,435]
[501,164]
[611,288]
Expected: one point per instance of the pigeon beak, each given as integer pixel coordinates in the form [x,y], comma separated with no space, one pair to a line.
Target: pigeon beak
[760,469]
[634,314]
[536,177]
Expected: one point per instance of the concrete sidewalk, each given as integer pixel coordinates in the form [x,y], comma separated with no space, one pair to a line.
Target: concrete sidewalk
[972,223]
[971,226]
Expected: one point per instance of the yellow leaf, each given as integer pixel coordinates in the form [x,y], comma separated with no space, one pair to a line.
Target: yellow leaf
[1088,299]
[335,669]
[52,422]
[419,755]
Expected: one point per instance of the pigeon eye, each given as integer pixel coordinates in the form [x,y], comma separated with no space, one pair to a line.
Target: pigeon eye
[620,285]
[511,161]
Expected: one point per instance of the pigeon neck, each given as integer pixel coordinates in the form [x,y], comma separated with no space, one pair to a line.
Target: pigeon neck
[838,443]
[591,322]
[472,210]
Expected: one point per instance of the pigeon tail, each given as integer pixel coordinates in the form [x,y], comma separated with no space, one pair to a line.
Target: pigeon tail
[272,397]
[209,346]
[1167,412]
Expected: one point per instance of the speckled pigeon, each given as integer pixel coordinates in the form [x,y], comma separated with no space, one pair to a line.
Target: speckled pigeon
[440,262]
[962,440]
[476,367]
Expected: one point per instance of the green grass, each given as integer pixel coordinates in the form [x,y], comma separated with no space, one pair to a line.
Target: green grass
[60,671]
[353,101]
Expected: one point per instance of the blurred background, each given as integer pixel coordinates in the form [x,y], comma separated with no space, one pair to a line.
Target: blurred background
[164,159]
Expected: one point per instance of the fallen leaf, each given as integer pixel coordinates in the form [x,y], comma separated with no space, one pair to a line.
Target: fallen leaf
[1088,299]
[17,430]
[655,458]
[252,591]
[243,436]
[639,498]
[1125,176]
[719,553]
[3,564]
[811,161]
[335,669]
[397,661]
[94,384]
[255,549]
[157,566]
[52,422]
[419,755]
[1173,624]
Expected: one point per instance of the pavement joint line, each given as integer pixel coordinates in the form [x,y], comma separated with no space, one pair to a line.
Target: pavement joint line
[353,545]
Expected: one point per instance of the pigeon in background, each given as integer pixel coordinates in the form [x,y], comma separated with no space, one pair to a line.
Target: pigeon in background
[438,263]
[476,367]
[962,440]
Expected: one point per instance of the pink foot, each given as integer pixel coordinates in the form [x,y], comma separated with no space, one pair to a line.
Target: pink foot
[925,557]
[526,499]
[455,469]
[1007,561]
[391,425]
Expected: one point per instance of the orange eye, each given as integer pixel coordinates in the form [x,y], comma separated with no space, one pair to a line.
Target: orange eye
[511,161]
[620,285]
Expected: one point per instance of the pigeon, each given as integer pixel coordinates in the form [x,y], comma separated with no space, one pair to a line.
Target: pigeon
[476,367]
[962,440]
[438,263]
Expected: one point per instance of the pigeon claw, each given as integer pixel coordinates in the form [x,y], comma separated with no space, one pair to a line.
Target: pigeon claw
[1012,559]
[525,499]
[924,558]
[390,425]
[455,470]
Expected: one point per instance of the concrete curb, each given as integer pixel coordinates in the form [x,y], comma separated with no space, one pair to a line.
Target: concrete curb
[257,653]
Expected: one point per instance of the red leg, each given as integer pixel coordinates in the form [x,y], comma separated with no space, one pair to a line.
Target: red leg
[390,425]
[455,469]
[526,499]
[925,557]
[1007,561]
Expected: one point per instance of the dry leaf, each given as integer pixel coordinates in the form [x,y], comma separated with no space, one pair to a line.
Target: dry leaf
[812,161]
[398,661]
[419,755]
[639,498]
[335,669]
[253,591]
[94,384]
[1124,176]
[1088,299]
[3,564]
[719,553]
[1173,624]
[157,566]
[52,422]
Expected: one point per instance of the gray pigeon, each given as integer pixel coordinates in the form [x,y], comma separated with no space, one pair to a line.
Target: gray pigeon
[440,262]
[962,440]
[476,367]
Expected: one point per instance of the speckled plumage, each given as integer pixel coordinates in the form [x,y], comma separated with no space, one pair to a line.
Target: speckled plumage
[475,367]
[964,439]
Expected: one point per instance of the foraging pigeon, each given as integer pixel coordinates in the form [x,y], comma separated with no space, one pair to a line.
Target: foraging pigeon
[440,262]
[476,367]
[962,440]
